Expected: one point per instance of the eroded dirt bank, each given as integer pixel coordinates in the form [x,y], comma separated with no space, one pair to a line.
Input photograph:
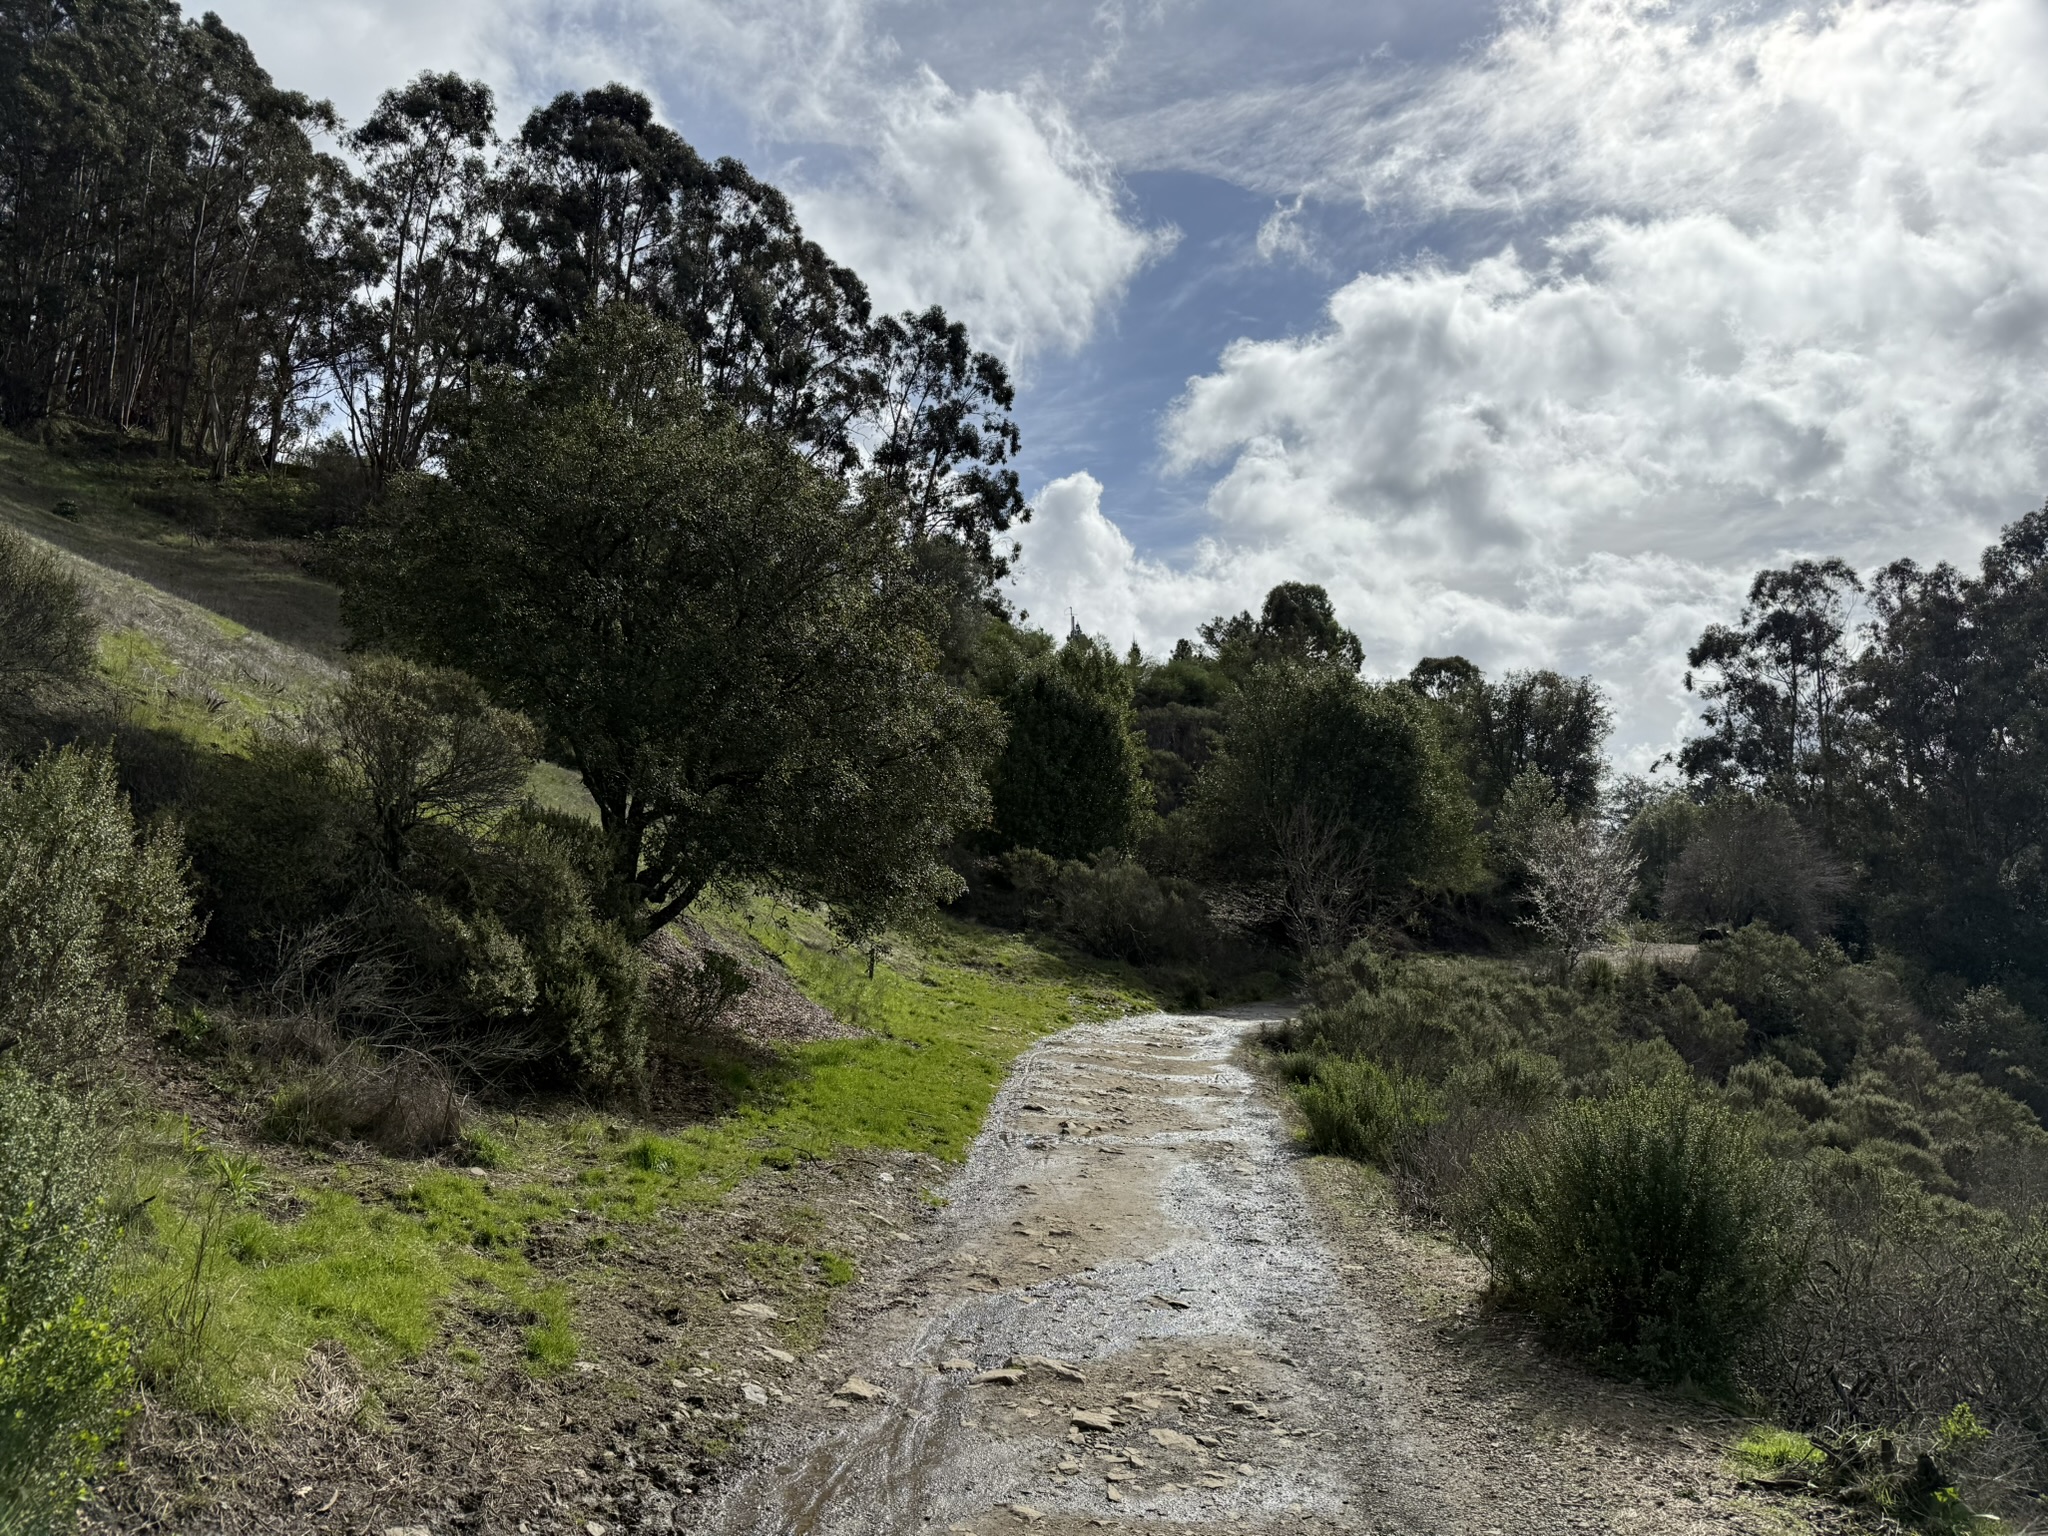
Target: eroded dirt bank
[1142,1306]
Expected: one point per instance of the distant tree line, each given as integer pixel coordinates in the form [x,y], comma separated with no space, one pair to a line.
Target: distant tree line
[1905,752]
[1261,785]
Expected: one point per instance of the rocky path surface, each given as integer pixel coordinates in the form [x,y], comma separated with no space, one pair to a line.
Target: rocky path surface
[1136,1313]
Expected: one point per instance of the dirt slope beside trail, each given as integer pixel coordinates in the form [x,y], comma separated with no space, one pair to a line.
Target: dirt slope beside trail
[1134,1312]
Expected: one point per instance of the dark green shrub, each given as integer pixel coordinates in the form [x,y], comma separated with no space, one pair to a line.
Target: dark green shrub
[1913,1305]
[1117,909]
[1357,1110]
[1747,860]
[424,742]
[94,915]
[1111,906]
[1070,779]
[1647,1230]
[278,846]
[64,1366]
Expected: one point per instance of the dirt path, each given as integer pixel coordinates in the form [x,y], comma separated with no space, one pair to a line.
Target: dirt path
[1142,1306]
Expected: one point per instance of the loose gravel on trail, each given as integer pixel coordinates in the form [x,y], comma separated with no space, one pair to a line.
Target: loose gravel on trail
[1143,1309]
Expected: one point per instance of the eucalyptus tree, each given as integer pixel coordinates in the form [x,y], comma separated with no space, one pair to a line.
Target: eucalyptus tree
[424,260]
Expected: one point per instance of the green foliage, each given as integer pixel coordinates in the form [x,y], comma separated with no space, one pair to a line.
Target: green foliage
[1297,623]
[1749,861]
[424,742]
[1338,791]
[736,659]
[1356,1109]
[1647,1229]
[1658,832]
[64,1371]
[1525,722]
[493,932]
[94,915]
[1112,907]
[46,636]
[278,845]
[1070,780]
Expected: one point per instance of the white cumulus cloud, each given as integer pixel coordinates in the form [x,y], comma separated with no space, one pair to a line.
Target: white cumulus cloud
[990,203]
[1769,287]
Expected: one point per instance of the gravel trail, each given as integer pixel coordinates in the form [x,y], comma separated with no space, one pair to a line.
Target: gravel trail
[1142,1309]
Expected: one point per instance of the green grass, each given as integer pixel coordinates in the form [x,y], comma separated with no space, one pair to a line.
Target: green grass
[121,524]
[229,1300]
[1764,1451]
[945,1019]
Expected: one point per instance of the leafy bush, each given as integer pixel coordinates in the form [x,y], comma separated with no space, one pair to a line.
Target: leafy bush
[1748,860]
[424,742]
[45,633]
[64,1366]
[1647,1229]
[1912,1306]
[1112,906]
[1070,779]
[1358,1110]
[94,914]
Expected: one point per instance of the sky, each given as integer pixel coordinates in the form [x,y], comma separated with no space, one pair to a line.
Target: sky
[1530,330]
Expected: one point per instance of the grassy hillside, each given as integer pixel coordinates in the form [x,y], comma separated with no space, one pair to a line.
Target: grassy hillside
[110,508]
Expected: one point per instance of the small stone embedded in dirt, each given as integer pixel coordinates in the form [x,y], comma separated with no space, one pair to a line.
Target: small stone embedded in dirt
[1168,1301]
[857,1390]
[759,1309]
[1002,1376]
[1090,1418]
[594,1527]
[1114,1496]
[1174,1440]
[407,1530]
[754,1394]
[1026,1513]
[886,1178]
[956,1364]
[779,1356]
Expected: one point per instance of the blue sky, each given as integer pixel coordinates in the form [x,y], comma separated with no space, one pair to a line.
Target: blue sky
[1530,330]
